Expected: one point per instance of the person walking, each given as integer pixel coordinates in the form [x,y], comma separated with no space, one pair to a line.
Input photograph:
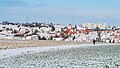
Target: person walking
[94,41]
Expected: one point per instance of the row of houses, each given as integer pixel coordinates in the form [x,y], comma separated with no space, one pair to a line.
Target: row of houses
[59,33]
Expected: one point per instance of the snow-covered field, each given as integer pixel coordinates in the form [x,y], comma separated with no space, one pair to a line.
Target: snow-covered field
[69,56]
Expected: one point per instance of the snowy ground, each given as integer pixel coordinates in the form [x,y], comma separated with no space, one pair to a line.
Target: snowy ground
[71,56]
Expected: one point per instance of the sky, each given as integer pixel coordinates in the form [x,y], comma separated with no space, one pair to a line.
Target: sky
[61,11]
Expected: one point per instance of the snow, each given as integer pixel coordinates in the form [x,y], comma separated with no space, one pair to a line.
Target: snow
[67,56]
[11,52]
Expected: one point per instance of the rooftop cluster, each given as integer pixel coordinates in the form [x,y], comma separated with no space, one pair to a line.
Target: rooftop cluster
[42,31]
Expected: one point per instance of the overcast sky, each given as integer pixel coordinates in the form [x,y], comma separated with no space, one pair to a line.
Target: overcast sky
[61,11]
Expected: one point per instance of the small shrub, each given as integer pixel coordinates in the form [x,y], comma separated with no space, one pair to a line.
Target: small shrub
[106,66]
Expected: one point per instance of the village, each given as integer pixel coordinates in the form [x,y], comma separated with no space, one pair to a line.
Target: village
[41,31]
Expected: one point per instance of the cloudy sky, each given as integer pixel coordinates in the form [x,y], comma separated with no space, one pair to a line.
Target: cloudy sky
[61,11]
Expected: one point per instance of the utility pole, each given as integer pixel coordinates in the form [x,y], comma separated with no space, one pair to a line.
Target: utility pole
[48,20]
[27,19]
[73,20]
[113,22]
